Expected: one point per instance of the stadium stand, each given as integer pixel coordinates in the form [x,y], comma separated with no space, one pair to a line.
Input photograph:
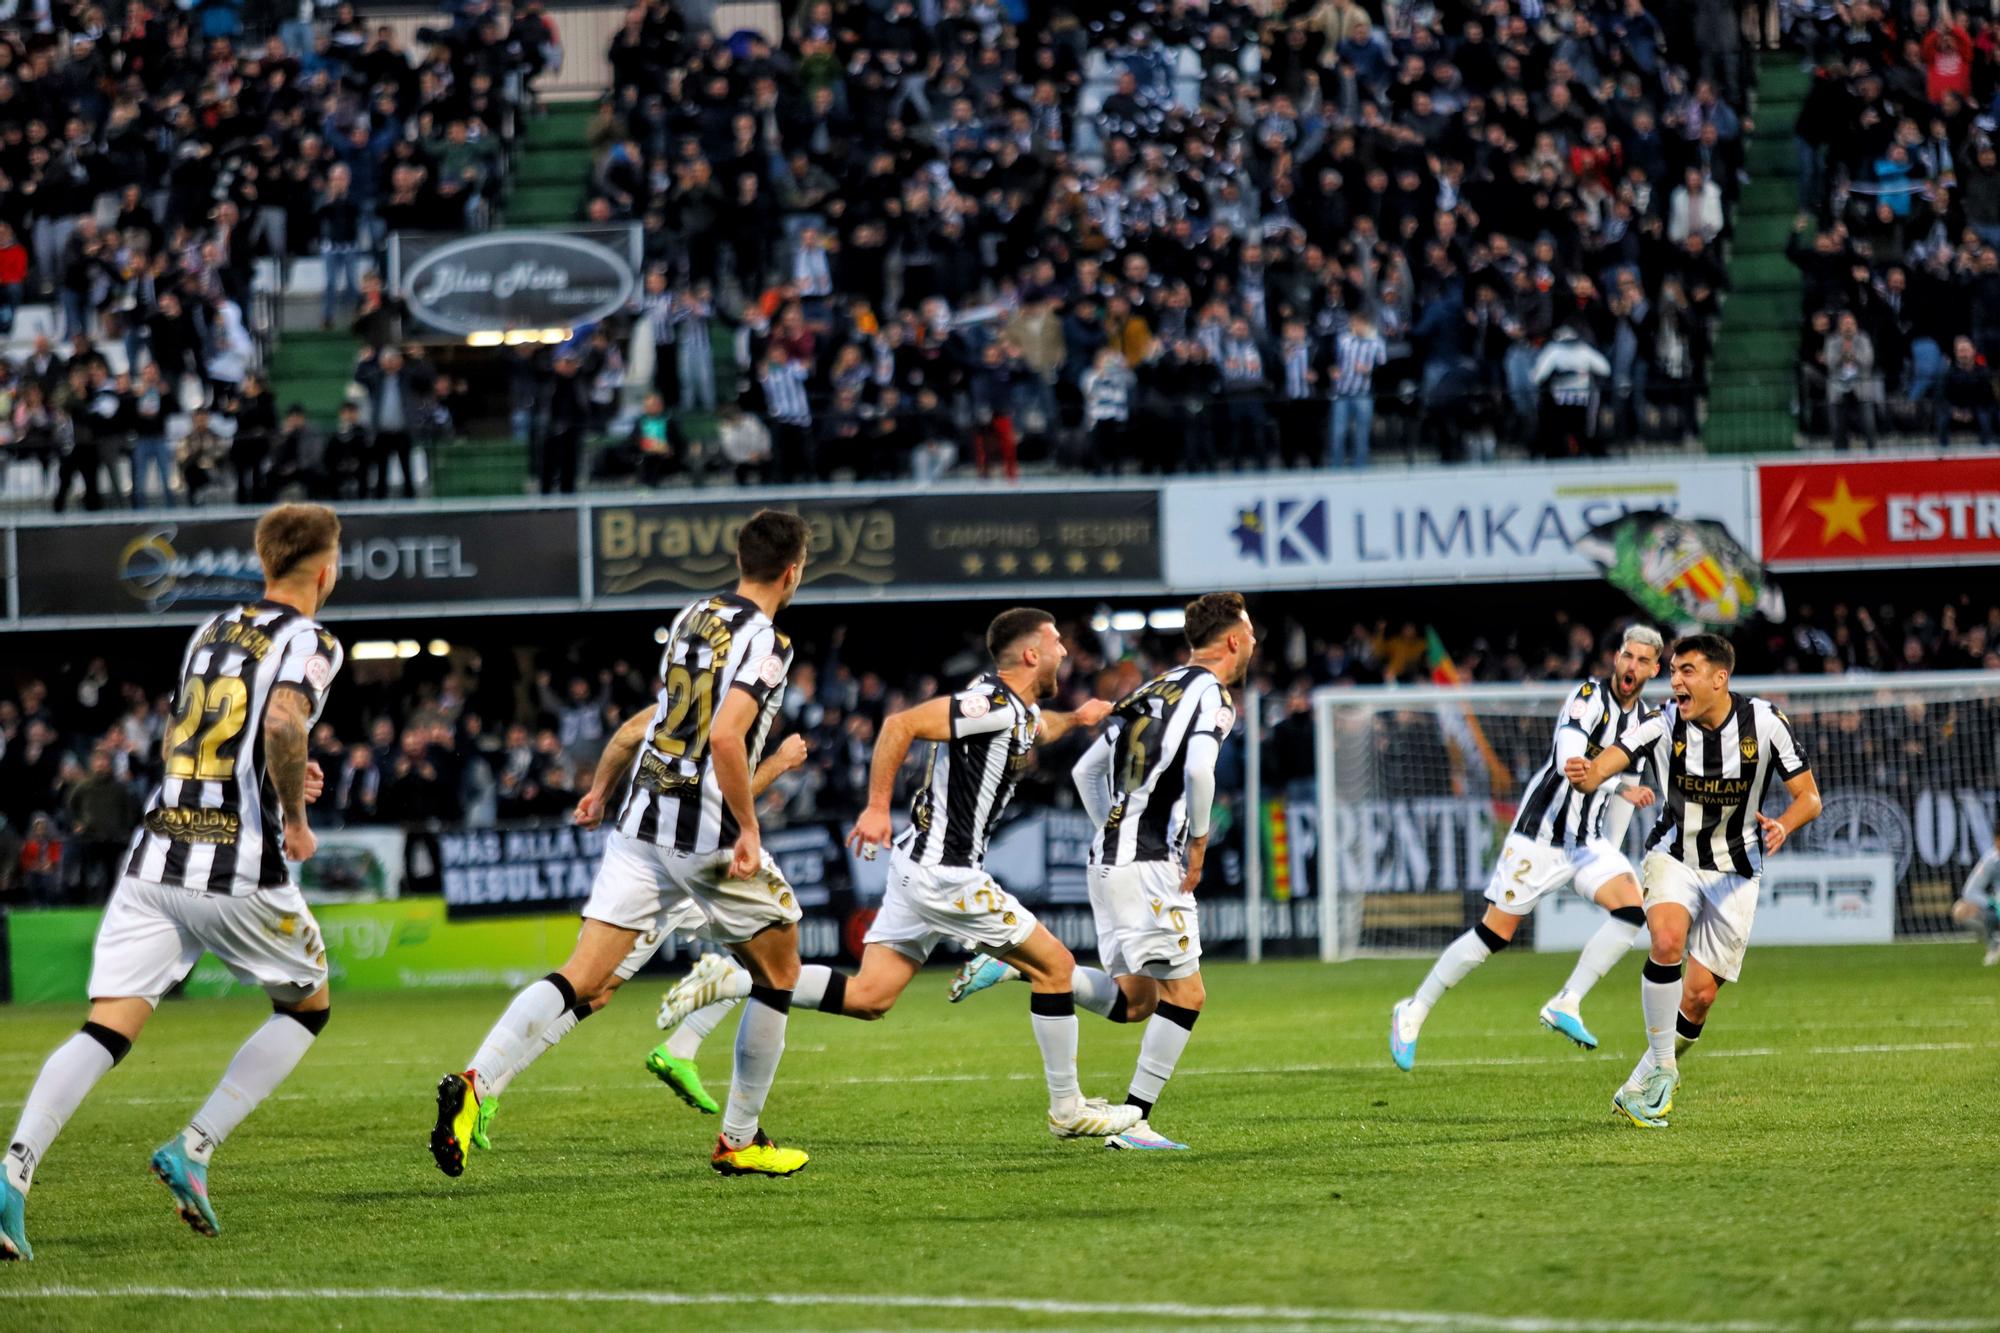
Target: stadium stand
[903,240]
[1898,220]
[166,181]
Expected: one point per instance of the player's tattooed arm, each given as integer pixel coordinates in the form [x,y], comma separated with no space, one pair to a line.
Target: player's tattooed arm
[791,754]
[285,750]
[930,721]
[617,757]
[286,722]
[1057,725]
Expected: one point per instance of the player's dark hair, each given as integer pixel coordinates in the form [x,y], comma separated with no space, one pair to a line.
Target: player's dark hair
[1010,627]
[292,534]
[1712,646]
[1211,615]
[769,543]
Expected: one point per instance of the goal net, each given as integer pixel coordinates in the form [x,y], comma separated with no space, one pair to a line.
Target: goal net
[1420,784]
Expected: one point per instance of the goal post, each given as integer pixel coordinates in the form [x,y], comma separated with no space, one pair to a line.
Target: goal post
[1419,785]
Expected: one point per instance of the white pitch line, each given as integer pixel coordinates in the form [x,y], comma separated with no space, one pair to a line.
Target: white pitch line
[1314,1317]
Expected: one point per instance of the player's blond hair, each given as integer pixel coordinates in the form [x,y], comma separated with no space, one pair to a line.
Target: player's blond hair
[1646,636]
[292,534]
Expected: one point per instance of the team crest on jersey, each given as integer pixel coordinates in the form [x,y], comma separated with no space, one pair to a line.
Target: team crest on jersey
[1750,749]
[771,670]
[973,705]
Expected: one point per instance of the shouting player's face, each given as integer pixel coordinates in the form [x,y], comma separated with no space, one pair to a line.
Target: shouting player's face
[1698,684]
[1636,664]
[1048,654]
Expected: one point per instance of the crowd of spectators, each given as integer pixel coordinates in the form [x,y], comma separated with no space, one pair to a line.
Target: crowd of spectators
[1898,233]
[1173,236]
[160,171]
[516,735]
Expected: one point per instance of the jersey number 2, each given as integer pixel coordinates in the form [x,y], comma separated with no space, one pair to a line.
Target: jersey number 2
[687,691]
[227,701]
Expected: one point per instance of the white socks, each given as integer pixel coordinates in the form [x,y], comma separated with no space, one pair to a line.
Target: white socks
[1686,1034]
[1095,990]
[760,1042]
[260,1065]
[1600,954]
[1167,1033]
[1054,1017]
[813,978]
[530,1051]
[511,1045]
[1660,1001]
[1453,966]
[685,1043]
[67,1077]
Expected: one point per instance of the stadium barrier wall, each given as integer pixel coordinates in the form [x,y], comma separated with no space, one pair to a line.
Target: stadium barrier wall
[397,945]
[636,550]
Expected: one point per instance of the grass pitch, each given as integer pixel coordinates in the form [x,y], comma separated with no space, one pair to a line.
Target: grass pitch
[1834,1163]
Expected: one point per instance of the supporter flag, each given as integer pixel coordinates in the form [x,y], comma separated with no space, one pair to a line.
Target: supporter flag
[1461,727]
[1687,572]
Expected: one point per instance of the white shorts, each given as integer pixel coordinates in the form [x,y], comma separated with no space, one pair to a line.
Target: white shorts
[684,920]
[1529,871]
[646,888]
[923,906]
[1723,907]
[153,934]
[1146,927]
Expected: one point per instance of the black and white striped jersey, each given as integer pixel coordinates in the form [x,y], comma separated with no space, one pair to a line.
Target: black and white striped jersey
[1148,736]
[214,823]
[971,777]
[715,645]
[1553,812]
[1715,781]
